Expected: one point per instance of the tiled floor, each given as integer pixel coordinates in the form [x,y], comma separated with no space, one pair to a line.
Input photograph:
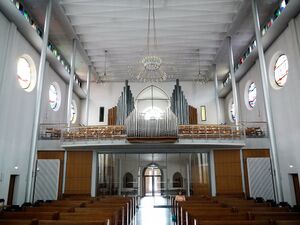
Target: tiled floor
[147,214]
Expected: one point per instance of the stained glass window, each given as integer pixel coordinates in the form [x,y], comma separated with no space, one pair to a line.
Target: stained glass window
[252,95]
[24,73]
[281,70]
[54,97]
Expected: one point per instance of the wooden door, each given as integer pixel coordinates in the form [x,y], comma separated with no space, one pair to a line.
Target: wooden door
[296,188]
[11,189]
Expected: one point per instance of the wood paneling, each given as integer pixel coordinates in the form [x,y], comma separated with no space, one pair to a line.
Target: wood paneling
[79,172]
[193,119]
[252,153]
[55,155]
[228,172]
[112,116]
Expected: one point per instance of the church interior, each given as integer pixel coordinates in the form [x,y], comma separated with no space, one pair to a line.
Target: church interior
[111,108]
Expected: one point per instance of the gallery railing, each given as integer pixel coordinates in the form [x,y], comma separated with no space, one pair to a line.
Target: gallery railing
[51,131]
[256,129]
[93,133]
[211,131]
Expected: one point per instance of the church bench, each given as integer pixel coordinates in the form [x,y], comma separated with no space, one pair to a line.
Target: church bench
[30,215]
[274,215]
[49,209]
[233,222]
[286,222]
[18,222]
[84,216]
[66,222]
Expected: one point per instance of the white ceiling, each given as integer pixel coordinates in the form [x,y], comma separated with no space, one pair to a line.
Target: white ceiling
[120,26]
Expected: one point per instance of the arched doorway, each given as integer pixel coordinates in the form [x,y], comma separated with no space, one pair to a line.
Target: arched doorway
[152,180]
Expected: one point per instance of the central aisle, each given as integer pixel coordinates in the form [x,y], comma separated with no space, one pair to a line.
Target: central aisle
[153,211]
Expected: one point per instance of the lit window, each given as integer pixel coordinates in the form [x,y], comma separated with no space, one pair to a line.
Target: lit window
[54,96]
[252,95]
[281,70]
[153,113]
[26,73]
[73,112]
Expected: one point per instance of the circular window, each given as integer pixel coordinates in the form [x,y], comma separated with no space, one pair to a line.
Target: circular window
[54,96]
[73,112]
[281,70]
[232,113]
[26,73]
[250,94]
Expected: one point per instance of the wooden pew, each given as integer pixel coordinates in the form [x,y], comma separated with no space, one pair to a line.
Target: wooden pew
[49,209]
[101,216]
[235,222]
[287,222]
[18,222]
[65,222]
[274,216]
[29,215]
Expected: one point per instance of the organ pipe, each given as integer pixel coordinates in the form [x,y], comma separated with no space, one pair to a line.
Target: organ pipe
[125,104]
[179,104]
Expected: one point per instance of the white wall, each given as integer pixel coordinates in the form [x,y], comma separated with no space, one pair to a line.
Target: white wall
[17,108]
[284,104]
[107,95]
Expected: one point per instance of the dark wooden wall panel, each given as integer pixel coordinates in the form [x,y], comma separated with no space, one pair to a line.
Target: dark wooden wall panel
[193,119]
[79,172]
[112,116]
[228,172]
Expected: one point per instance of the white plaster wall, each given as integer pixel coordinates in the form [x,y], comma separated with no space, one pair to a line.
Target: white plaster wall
[107,95]
[17,109]
[284,104]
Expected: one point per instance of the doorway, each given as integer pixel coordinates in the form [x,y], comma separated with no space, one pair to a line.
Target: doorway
[152,180]
[296,187]
[11,189]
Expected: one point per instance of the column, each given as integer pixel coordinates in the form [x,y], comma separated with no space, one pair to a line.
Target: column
[71,83]
[39,90]
[64,172]
[87,105]
[216,93]
[94,174]
[266,91]
[233,81]
[212,173]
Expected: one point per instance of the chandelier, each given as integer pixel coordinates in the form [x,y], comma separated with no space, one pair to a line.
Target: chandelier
[151,70]
[201,77]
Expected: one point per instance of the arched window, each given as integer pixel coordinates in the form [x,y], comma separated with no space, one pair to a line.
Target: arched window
[177,180]
[128,180]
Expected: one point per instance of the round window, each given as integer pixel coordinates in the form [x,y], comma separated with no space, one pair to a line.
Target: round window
[252,95]
[73,112]
[281,70]
[26,73]
[54,96]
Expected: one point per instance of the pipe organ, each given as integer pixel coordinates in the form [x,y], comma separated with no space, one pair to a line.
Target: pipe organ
[125,104]
[179,104]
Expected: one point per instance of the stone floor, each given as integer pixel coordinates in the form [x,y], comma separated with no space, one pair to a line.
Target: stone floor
[153,211]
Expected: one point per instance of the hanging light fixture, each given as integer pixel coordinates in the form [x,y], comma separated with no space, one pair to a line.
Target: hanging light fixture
[201,77]
[102,78]
[151,64]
